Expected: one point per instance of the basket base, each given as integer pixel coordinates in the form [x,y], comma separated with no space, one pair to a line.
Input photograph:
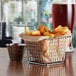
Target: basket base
[46,64]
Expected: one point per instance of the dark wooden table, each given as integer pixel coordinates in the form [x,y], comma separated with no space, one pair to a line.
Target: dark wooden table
[8,68]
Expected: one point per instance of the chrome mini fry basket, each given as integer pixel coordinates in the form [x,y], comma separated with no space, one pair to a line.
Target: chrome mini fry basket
[46,50]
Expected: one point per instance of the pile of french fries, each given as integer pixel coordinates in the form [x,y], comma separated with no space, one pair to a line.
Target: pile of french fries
[45,31]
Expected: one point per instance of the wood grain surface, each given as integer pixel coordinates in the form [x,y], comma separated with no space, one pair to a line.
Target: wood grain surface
[8,68]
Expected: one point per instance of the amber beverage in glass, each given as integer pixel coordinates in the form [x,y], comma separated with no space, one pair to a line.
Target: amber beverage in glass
[63,12]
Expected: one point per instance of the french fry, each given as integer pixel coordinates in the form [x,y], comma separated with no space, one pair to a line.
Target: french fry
[42,29]
[35,33]
[48,34]
[58,29]
[27,31]
[47,29]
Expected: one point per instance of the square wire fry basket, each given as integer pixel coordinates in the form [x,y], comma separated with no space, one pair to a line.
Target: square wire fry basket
[47,51]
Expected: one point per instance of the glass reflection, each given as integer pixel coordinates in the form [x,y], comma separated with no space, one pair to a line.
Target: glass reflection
[69,65]
[54,70]
[15,69]
[65,69]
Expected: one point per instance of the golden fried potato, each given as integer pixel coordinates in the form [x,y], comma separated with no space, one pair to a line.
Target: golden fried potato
[48,34]
[62,31]
[47,29]
[57,35]
[27,31]
[42,29]
[35,33]
[58,29]
[65,29]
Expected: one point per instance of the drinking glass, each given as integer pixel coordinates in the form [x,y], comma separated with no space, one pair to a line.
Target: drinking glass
[63,13]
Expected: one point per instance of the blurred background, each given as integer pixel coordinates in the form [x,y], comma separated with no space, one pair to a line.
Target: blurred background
[15,15]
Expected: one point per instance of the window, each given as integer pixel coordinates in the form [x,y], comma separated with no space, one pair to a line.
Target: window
[30,12]
[11,13]
[12,10]
[19,11]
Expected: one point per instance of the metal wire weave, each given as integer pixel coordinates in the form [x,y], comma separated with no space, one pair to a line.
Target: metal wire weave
[48,50]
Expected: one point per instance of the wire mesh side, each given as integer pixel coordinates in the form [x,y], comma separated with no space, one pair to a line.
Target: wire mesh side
[34,51]
[47,51]
[57,50]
